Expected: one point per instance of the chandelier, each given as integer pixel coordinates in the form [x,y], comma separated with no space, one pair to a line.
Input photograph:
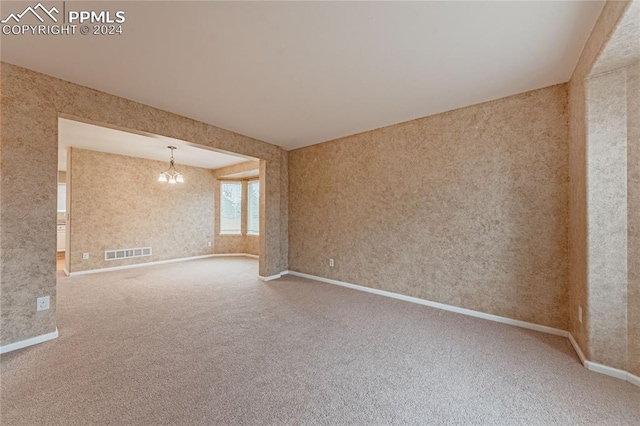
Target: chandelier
[171,175]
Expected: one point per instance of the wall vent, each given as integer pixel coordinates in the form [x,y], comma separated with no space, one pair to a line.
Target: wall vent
[127,253]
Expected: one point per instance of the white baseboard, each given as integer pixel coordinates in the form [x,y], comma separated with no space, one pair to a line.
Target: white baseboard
[234,255]
[613,372]
[28,342]
[601,368]
[605,369]
[158,262]
[577,348]
[271,277]
[450,308]
[590,365]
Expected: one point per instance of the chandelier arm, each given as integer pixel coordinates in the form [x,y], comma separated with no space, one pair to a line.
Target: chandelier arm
[171,173]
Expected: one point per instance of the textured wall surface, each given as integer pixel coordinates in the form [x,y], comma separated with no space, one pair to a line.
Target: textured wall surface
[597,277]
[252,245]
[272,170]
[578,215]
[623,47]
[28,191]
[284,205]
[247,166]
[31,105]
[633,214]
[467,208]
[578,285]
[607,217]
[174,220]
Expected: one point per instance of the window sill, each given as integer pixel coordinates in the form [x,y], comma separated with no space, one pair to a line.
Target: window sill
[230,234]
[253,234]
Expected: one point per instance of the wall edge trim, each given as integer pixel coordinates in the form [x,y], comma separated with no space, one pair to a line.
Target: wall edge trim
[157,262]
[270,277]
[254,256]
[29,342]
[576,347]
[612,372]
[437,305]
[606,370]
[589,365]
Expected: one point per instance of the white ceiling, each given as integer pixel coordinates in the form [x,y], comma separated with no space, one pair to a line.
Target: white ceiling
[299,73]
[97,138]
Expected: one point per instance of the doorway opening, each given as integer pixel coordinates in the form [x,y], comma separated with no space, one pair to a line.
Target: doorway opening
[116,211]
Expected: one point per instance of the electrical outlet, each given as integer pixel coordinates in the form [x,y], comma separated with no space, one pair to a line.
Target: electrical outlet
[331,262]
[42,303]
[580,314]
[85,256]
[209,243]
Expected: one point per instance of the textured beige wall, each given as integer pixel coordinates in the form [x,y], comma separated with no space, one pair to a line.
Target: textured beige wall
[623,45]
[578,285]
[31,104]
[284,204]
[633,213]
[246,166]
[467,208]
[252,245]
[578,214]
[607,217]
[613,170]
[599,256]
[27,207]
[117,203]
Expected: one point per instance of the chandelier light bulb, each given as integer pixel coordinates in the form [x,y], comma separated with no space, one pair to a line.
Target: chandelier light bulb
[171,175]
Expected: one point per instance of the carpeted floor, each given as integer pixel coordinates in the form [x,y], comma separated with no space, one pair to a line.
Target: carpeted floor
[205,342]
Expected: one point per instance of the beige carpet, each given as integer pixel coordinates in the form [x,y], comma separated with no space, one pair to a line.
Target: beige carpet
[205,342]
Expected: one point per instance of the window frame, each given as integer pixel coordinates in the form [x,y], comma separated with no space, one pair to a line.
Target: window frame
[220,230]
[58,198]
[251,233]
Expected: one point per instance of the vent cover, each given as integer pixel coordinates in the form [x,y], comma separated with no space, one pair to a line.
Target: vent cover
[127,253]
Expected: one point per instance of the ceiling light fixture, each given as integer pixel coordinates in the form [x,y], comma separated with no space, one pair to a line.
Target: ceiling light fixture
[171,175]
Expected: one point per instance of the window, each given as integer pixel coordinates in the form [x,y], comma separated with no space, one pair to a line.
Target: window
[62,198]
[230,208]
[253,212]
